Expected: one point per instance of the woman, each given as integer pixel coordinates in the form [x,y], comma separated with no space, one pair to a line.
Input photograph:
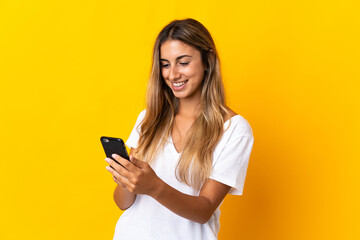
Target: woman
[188,150]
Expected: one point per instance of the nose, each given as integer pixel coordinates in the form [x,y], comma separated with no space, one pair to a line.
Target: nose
[174,73]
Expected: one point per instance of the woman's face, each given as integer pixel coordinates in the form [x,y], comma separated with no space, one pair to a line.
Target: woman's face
[182,69]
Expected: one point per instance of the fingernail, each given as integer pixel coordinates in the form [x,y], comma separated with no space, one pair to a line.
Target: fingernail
[114,155]
[107,160]
[107,168]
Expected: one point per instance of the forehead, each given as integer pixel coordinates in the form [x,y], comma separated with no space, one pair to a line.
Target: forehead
[170,49]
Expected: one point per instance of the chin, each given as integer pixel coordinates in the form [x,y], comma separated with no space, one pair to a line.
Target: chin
[179,95]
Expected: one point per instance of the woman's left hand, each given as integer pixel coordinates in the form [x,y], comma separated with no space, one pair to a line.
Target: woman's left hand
[137,176]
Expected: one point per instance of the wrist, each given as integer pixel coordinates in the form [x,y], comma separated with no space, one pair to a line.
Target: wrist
[159,187]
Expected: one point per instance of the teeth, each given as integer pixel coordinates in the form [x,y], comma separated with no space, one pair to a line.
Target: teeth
[179,84]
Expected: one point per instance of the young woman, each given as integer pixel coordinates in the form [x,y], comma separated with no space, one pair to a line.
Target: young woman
[188,149]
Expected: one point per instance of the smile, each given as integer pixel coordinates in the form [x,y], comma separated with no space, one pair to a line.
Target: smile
[179,84]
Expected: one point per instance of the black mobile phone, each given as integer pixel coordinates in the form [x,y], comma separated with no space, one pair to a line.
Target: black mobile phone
[114,145]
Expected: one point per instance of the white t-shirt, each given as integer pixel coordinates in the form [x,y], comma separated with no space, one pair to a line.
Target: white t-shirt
[147,219]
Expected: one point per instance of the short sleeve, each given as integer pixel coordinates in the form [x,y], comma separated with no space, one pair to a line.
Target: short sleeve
[132,141]
[230,167]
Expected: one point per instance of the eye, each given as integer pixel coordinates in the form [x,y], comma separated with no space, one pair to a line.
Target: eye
[184,63]
[164,65]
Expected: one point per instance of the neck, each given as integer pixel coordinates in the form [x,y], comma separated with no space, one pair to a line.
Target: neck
[189,107]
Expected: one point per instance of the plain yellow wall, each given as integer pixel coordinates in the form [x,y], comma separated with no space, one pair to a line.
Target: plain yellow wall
[72,71]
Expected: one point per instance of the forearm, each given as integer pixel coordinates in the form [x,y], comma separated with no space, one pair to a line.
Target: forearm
[195,208]
[138,177]
[123,198]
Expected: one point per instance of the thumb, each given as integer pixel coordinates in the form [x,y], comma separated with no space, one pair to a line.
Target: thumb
[136,161]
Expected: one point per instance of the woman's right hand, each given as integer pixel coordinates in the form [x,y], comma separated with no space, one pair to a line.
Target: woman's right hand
[114,170]
[122,197]
[137,176]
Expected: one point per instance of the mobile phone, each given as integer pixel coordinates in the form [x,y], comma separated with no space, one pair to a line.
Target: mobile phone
[114,145]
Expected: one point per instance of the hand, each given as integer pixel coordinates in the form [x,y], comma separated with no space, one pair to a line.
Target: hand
[116,176]
[136,176]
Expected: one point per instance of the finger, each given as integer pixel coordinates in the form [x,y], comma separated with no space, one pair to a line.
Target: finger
[116,166]
[137,162]
[113,172]
[117,176]
[113,164]
[120,181]
[125,163]
[116,169]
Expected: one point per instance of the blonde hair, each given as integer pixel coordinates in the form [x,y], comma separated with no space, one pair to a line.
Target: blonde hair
[195,162]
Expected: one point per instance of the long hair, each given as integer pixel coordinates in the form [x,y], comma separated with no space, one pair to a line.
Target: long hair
[195,162]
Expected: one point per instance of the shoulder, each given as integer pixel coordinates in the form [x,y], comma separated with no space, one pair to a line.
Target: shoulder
[237,125]
[241,126]
[140,118]
[142,114]
[231,113]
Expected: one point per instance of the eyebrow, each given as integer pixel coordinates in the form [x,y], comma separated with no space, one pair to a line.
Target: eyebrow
[179,57]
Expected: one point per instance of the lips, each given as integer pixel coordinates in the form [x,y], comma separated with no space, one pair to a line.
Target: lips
[179,85]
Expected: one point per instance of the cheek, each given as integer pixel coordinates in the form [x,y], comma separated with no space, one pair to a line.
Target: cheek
[188,72]
[164,73]
[195,71]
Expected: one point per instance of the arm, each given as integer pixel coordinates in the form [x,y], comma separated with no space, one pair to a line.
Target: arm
[122,197]
[139,178]
[196,208]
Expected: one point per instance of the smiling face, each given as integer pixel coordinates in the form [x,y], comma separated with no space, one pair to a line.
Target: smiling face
[182,69]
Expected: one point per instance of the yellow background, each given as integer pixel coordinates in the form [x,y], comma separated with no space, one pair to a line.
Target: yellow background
[72,71]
